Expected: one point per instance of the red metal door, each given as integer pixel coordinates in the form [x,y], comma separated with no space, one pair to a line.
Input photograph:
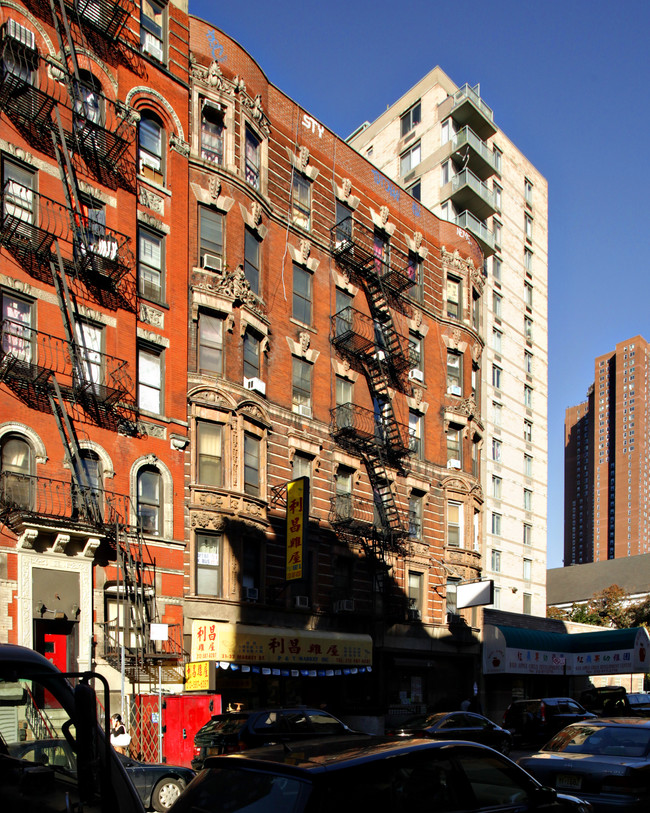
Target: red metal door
[183,715]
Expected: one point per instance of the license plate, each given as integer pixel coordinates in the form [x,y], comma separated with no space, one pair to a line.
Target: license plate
[566,781]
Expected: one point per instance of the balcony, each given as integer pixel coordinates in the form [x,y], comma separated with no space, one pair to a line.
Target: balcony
[365,339]
[31,223]
[466,220]
[29,358]
[135,641]
[469,192]
[467,108]
[363,431]
[353,246]
[353,515]
[480,157]
[107,17]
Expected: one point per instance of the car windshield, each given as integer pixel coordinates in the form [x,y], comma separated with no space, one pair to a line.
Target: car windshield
[623,741]
[228,790]
[228,724]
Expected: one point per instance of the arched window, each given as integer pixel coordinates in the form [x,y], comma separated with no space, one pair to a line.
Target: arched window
[16,471]
[150,500]
[151,146]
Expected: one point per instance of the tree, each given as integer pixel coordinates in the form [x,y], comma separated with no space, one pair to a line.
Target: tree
[606,608]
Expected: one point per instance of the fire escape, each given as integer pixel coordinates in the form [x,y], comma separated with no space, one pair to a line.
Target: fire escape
[70,247]
[375,348]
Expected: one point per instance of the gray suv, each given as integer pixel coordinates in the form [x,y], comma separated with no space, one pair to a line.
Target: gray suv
[537,720]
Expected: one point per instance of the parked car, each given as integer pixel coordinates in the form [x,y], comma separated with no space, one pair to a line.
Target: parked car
[236,731]
[537,720]
[348,774]
[607,701]
[605,761]
[639,703]
[158,786]
[455,725]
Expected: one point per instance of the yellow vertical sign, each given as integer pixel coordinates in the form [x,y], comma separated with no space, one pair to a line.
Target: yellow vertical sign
[297,512]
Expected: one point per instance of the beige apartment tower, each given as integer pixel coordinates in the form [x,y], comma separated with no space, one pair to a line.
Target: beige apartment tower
[440,143]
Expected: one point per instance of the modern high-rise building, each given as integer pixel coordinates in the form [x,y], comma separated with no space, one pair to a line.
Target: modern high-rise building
[440,143]
[606,460]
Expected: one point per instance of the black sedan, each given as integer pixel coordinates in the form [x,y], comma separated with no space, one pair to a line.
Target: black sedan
[605,761]
[157,785]
[456,725]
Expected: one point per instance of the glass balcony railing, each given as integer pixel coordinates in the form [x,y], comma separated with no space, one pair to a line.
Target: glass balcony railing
[467,136]
[466,178]
[467,92]
[466,220]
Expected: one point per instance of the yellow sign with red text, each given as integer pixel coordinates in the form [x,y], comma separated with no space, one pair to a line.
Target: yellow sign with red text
[297,516]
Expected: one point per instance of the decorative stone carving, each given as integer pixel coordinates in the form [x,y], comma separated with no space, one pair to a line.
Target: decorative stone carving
[305,250]
[152,430]
[61,542]
[214,187]
[153,222]
[456,336]
[179,145]
[26,539]
[347,187]
[215,77]
[256,213]
[417,240]
[239,84]
[384,213]
[476,351]
[305,341]
[151,316]
[303,158]
[209,396]
[204,519]
[90,547]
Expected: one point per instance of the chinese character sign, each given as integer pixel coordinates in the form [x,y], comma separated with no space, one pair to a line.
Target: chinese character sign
[297,513]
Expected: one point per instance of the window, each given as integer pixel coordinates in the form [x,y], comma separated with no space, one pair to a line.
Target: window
[528,499]
[209,470]
[528,465]
[344,390]
[496,450]
[496,227]
[528,260]
[496,304]
[18,185]
[210,238]
[16,327]
[497,196]
[496,487]
[212,130]
[210,343]
[16,470]
[497,598]
[528,362]
[252,447]
[496,524]
[343,223]
[495,561]
[528,295]
[528,534]
[252,354]
[497,413]
[20,56]
[152,29]
[476,458]
[496,376]
[410,119]
[528,396]
[94,476]
[416,594]
[476,380]
[414,271]
[89,344]
[302,294]
[150,379]
[301,386]
[527,604]
[496,268]
[409,159]
[252,159]
[528,192]
[528,224]
[150,265]
[301,467]
[528,328]
[528,432]
[445,173]
[381,251]
[343,311]
[446,131]
[455,524]
[454,373]
[301,201]
[150,149]
[497,159]
[149,500]
[476,310]
[252,261]
[497,336]
[453,298]
[208,565]
[415,435]
[528,569]
[454,458]
[343,490]
[415,515]
[416,190]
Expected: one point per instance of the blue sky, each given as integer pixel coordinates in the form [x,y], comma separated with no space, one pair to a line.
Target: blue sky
[569,84]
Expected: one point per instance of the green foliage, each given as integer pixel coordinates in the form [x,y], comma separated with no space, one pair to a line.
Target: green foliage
[606,608]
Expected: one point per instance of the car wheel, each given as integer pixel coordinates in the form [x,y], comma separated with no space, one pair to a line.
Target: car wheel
[165,793]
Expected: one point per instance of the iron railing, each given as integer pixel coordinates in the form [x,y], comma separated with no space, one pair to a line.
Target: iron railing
[360,429]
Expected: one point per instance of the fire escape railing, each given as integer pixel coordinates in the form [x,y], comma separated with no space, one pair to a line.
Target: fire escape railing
[363,431]
[107,17]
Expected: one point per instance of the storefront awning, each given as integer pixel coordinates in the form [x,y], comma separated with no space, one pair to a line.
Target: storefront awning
[278,646]
[512,650]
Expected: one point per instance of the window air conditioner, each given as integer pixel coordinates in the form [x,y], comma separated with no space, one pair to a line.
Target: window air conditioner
[211,262]
[455,390]
[301,602]
[304,410]
[255,384]
[346,605]
[21,34]
[251,593]
[150,161]
[152,46]
[453,464]
[380,355]
[416,375]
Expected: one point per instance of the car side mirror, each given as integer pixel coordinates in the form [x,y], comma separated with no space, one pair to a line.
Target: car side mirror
[544,796]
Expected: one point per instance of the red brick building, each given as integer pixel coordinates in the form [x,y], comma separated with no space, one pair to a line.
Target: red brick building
[93,358]
[335,334]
